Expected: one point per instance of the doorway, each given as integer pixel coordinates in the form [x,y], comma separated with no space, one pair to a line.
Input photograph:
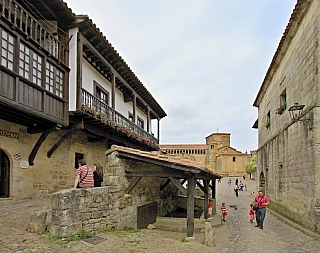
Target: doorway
[4,175]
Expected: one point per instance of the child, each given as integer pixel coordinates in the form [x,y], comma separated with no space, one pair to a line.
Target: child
[251,214]
[210,209]
[224,211]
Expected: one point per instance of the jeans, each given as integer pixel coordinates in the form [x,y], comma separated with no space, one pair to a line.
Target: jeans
[260,214]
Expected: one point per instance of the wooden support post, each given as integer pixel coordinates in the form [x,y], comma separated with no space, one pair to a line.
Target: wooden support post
[206,198]
[190,205]
[213,189]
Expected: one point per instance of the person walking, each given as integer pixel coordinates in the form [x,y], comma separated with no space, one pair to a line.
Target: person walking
[251,214]
[236,190]
[229,181]
[241,186]
[261,201]
[237,181]
[224,212]
[84,176]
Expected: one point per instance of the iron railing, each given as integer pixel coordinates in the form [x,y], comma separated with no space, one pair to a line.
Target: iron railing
[101,108]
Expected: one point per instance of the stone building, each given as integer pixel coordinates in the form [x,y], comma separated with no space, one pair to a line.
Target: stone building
[65,94]
[216,154]
[288,164]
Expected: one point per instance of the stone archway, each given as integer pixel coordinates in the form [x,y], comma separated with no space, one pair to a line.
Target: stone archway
[4,175]
[262,180]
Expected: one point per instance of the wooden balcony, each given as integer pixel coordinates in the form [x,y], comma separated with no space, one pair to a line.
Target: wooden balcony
[103,120]
[18,18]
[28,104]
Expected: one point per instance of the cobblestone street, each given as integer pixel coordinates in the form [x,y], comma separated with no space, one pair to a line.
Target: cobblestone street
[235,235]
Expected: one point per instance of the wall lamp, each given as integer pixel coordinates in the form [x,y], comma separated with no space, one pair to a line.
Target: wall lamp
[296,114]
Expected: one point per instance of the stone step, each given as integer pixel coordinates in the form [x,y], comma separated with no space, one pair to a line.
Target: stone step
[180,224]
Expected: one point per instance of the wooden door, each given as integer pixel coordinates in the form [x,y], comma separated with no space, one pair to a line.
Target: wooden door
[146,214]
[4,175]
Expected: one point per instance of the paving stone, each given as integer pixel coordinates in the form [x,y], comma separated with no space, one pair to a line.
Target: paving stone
[236,235]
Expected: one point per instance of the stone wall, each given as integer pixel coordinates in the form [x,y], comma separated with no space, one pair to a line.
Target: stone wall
[91,210]
[288,152]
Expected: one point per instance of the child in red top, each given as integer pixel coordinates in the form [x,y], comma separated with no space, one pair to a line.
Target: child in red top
[210,208]
[224,211]
[251,214]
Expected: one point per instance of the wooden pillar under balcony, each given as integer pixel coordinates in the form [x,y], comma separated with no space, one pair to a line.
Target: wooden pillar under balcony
[113,91]
[79,71]
[134,107]
[158,129]
[148,119]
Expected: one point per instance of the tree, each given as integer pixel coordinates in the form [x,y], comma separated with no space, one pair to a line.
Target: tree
[252,165]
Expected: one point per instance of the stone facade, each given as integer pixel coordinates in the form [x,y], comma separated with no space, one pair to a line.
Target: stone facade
[47,175]
[216,154]
[288,152]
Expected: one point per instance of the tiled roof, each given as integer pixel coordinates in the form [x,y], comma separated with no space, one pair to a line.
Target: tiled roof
[164,158]
[183,146]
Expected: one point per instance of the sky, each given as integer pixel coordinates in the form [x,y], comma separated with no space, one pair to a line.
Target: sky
[202,60]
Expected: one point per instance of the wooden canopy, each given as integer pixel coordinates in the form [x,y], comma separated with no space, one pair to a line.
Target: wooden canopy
[173,168]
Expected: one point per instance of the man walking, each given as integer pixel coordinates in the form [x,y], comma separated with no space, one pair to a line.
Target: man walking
[261,201]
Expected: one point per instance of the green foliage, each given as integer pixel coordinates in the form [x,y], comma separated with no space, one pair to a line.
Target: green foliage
[66,243]
[251,167]
[84,234]
[123,232]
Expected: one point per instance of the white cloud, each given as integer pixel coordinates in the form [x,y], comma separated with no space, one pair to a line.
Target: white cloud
[203,61]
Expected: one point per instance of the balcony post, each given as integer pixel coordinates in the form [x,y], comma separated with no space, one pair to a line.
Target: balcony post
[79,71]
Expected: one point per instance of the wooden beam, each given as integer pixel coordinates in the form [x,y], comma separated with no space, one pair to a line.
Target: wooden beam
[164,185]
[62,139]
[206,198]
[36,147]
[178,185]
[151,173]
[190,206]
[132,185]
[200,186]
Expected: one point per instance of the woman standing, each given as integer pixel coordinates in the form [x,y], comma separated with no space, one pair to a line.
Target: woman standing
[97,174]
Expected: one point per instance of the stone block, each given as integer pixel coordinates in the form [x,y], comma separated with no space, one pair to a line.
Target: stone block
[96,215]
[63,217]
[208,234]
[37,222]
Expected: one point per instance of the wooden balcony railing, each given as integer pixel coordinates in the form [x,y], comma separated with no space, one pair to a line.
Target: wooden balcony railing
[101,108]
[33,29]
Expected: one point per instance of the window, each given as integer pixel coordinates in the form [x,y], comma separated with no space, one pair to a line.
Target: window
[24,61]
[140,122]
[234,159]
[77,157]
[54,80]
[101,93]
[27,58]
[7,49]
[268,123]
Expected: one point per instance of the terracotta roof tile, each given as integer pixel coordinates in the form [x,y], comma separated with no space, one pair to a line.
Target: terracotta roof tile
[168,158]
